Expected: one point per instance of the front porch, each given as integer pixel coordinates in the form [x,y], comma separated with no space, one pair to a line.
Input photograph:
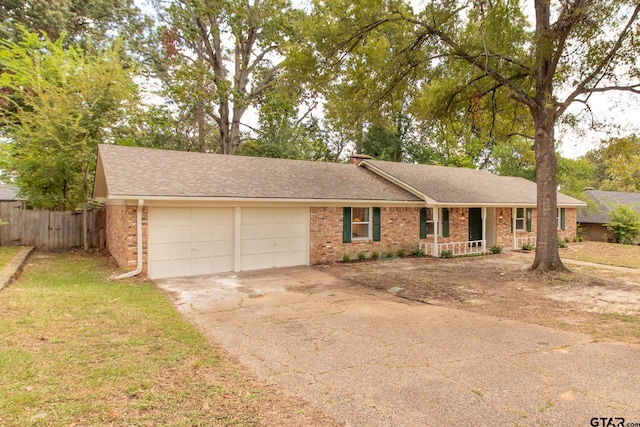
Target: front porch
[460,231]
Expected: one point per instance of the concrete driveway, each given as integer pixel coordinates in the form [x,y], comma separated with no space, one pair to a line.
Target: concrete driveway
[369,358]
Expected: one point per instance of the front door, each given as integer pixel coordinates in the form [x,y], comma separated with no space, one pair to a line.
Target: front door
[475,224]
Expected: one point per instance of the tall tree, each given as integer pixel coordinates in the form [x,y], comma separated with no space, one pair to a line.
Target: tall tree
[621,162]
[80,20]
[230,51]
[72,100]
[575,48]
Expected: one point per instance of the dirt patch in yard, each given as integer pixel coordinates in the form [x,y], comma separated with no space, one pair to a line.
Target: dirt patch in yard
[604,304]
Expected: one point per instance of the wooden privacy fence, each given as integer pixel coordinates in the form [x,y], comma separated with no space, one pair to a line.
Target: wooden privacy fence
[49,230]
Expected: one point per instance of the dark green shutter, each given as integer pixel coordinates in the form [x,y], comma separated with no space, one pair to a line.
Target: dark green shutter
[376,224]
[423,223]
[445,222]
[528,218]
[346,225]
[562,219]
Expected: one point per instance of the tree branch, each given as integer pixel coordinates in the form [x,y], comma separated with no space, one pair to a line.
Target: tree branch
[581,88]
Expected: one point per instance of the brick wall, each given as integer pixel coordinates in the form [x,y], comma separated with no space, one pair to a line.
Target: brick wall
[504,237]
[400,229]
[571,227]
[122,235]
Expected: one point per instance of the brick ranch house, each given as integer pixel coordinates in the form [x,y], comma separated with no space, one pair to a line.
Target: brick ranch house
[172,213]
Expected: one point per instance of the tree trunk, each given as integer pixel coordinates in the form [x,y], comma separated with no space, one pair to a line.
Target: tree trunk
[547,256]
[85,210]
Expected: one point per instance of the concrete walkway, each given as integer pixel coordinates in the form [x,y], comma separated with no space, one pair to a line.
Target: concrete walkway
[368,358]
[14,266]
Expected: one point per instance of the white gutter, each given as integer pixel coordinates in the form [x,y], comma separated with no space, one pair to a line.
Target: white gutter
[138,269]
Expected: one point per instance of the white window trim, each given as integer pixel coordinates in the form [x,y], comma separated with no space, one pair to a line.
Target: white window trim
[369,224]
[524,220]
[435,221]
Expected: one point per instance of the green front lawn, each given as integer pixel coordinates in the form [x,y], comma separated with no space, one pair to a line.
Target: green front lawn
[604,253]
[76,349]
[7,253]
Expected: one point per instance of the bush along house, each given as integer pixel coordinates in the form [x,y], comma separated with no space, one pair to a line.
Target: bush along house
[172,213]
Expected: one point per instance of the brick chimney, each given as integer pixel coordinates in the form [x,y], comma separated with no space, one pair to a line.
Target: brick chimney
[354,159]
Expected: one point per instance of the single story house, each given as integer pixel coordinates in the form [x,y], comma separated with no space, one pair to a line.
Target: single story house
[591,219]
[172,213]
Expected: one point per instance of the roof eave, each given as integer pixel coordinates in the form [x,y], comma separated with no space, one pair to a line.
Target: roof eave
[406,186]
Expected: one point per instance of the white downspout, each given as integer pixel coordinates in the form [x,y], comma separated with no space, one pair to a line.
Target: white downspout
[138,269]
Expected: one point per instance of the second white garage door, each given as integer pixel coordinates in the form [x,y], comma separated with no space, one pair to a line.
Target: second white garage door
[273,237]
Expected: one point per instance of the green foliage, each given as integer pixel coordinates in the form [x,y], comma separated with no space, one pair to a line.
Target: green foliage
[527,247]
[496,249]
[346,258]
[418,253]
[401,253]
[561,243]
[81,20]
[446,254]
[621,162]
[624,223]
[218,59]
[362,256]
[71,100]
[375,255]
[390,254]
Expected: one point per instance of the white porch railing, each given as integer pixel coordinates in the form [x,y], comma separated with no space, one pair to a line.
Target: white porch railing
[456,248]
[521,241]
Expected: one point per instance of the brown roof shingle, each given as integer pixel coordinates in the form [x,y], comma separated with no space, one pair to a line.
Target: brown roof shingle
[465,186]
[132,172]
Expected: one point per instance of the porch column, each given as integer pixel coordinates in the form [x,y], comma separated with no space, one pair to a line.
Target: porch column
[484,229]
[436,230]
[513,227]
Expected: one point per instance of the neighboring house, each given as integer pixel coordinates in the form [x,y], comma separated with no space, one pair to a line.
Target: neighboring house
[591,219]
[172,213]
[8,193]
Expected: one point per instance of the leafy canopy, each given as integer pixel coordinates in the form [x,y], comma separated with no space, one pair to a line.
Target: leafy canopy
[624,223]
[71,100]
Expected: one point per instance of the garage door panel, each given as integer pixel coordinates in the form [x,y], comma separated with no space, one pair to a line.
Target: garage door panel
[202,249]
[188,241]
[222,249]
[298,244]
[160,251]
[181,250]
[249,246]
[222,233]
[160,217]
[181,216]
[181,233]
[273,237]
[202,232]
[223,216]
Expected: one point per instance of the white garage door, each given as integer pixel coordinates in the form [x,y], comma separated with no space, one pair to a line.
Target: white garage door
[189,241]
[273,237]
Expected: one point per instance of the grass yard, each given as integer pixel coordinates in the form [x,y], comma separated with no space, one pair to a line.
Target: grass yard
[604,253]
[7,253]
[76,349]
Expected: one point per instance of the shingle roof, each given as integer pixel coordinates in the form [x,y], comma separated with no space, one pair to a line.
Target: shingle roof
[605,201]
[462,185]
[8,192]
[132,172]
